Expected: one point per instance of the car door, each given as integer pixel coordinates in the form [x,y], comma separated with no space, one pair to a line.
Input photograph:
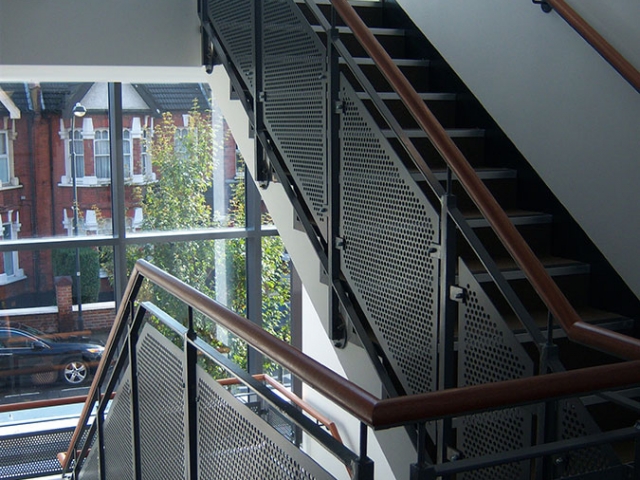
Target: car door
[24,355]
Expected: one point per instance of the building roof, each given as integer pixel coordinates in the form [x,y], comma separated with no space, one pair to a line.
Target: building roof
[60,97]
[19,95]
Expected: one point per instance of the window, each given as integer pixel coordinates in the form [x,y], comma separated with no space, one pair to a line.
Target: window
[77,148]
[126,151]
[101,155]
[5,166]
[145,154]
[12,271]
[9,268]
[180,136]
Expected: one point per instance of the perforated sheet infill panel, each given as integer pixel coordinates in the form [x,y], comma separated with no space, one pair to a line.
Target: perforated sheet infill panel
[388,226]
[233,21]
[574,422]
[161,407]
[488,351]
[295,102]
[234,442]
[118,434]
[28,456]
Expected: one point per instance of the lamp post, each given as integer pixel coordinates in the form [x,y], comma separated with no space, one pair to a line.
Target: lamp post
[79,112]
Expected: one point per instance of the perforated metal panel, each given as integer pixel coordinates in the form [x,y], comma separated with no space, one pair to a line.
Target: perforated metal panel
[489,352]
[118,434]
[33,455]
[388,226]
[236,443]
[575,421]
[295,102]
[91,466]
[161,407]
[233,21]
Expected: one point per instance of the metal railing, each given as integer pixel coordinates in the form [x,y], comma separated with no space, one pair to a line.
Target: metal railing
[557,303]
[371,411]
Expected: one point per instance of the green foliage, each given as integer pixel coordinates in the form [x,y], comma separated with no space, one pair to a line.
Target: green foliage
[184,169]
[64,263]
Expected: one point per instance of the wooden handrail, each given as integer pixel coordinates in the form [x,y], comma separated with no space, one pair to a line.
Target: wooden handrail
[367,408]
[53,402]
[597,337]
[598,42]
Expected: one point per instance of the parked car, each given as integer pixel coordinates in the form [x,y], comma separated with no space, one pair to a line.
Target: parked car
[25,356]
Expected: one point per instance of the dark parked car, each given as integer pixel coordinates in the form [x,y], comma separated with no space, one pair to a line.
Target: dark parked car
[25,356]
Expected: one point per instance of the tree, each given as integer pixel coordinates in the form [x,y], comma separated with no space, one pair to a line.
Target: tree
[182,160]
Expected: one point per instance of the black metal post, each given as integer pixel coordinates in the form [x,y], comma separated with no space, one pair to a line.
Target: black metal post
[117,191]
[132,341]
[337,324]
[448,315]
[363,469]
[422,469]
[548,417]
[191,400]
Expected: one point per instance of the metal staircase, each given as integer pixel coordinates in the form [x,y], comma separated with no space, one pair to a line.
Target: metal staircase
[483,361]
[418,274]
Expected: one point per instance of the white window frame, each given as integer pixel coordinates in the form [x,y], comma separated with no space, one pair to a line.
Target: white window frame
[78,139]
[127,153]
[5,157]
[102,155]
[10,231]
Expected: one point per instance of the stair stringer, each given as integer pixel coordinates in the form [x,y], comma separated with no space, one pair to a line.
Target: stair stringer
[391,450]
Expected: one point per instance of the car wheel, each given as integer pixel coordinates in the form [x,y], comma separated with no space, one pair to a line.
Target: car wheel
[75,372]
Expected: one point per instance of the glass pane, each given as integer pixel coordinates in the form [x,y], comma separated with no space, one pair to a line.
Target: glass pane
[214,267]
[52,135]
[42,303]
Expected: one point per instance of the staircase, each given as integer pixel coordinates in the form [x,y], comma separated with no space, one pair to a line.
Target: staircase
[418,276]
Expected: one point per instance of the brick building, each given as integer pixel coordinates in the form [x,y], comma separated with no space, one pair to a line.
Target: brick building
[36,194]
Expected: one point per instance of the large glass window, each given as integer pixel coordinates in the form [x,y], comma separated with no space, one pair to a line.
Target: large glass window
[183,208]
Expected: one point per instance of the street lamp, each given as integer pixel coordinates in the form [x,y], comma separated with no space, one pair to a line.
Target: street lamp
[79,112]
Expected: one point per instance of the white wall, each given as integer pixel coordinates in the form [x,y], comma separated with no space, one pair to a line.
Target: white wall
[565,108]
[98,32]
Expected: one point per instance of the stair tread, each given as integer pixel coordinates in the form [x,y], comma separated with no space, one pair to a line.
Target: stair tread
[585,312]
[374,30]
[427,96]
[353,3]
[400,62]
[453,132]
[517,217]
[511,271]
[485,173]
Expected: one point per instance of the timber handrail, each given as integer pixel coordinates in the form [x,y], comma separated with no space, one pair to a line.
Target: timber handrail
[598,42]
[576,329]
[374,412]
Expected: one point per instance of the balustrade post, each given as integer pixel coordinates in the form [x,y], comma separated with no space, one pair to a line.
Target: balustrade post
[448,312]
[132,340]
[338,328]
[422,469]
[191,398]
